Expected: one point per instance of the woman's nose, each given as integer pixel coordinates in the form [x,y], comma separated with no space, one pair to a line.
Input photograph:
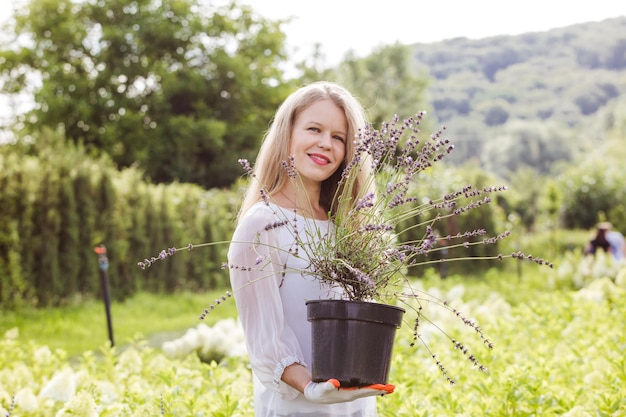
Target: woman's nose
[324,141]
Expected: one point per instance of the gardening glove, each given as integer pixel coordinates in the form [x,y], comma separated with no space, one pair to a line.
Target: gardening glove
[330,392]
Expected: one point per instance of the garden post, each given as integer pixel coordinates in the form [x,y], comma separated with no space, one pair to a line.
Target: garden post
[103,264]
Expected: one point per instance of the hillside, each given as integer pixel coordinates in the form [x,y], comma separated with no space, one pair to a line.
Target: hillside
[554,83]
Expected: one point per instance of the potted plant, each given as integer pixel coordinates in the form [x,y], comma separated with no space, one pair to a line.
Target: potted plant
[371,247]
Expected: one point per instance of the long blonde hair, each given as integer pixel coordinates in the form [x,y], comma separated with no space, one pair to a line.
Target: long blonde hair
[268,169]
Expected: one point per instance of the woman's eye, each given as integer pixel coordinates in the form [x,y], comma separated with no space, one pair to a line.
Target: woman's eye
[339,138]
[315,129]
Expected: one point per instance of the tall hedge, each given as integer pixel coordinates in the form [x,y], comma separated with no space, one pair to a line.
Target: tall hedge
[58,203]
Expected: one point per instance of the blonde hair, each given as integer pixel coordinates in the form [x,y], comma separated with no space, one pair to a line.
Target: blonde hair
[268,169]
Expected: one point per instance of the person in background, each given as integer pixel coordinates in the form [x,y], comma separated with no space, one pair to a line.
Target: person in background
[314,128]
[609,240]
[618,245]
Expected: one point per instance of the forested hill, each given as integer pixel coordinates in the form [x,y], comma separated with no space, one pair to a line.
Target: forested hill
[561,78]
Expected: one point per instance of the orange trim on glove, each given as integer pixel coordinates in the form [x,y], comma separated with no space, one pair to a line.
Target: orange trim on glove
[388,388]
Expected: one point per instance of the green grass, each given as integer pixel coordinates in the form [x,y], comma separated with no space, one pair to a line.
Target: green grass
[82,326]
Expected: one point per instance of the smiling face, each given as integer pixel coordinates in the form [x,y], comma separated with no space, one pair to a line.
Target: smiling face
[318,141]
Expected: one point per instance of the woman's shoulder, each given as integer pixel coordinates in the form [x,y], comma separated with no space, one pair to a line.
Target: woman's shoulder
[261,210]
[261,214]
[264,215]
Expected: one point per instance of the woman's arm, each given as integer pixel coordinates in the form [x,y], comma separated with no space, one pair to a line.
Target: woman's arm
[256,275]
[296,376]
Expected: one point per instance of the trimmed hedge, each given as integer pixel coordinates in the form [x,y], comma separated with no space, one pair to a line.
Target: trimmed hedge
[57,204]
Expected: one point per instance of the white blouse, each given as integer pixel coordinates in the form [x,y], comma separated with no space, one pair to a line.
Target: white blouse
[270,293]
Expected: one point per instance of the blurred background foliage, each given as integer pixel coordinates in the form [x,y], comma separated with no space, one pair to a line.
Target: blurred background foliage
[126,121]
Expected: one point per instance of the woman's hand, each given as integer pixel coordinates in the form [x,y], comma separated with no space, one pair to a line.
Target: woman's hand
[330,392]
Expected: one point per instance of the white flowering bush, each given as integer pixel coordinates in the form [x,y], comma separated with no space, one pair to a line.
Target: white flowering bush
[599,276]
[561,354]
[215,343]
[134,381]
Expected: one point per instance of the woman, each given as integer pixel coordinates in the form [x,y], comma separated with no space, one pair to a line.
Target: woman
[297,171]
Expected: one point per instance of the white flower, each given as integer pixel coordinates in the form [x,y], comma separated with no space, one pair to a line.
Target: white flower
[138,386]
[130,362]
[108,392]
[81,405]
[455,293]
[42,355]
[13,333]
[26,400]
[225,338]
[182,346]
[598,290]
[169,348]
[19,374]
[494,308]
[61,387]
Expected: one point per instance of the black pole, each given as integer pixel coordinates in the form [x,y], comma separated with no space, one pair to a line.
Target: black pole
[103,264]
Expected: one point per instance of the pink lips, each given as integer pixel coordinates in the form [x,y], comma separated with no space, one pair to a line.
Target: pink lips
[319,159]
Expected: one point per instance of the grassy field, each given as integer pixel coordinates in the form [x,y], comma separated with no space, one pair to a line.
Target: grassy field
[82,326]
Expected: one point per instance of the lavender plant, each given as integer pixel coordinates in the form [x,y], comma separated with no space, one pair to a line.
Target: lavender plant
[368,251]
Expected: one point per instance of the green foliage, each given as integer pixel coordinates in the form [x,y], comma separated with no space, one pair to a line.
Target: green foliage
[154,317]
[440,180]
[135,381]
[68,236]
[521,145]
[554,83]
[386,81]
[179,86]
[544,337]
[558,352]
[591,190]
[60,204]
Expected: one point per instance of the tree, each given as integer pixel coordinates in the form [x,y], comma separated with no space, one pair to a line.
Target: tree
[523,144]
[385,81]
[181,87]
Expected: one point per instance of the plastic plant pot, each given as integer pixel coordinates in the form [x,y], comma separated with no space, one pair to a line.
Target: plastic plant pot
[352,341]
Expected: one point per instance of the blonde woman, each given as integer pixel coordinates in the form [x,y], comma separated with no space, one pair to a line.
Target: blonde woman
[297,171]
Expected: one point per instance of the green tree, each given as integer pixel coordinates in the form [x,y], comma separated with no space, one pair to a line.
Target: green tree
[48,280]
[523,144]
[13,286]
[590,190]
[69,261]
[183,87]
[385,81]
[86,208]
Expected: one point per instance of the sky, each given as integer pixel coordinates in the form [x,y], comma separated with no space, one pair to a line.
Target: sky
[362,25]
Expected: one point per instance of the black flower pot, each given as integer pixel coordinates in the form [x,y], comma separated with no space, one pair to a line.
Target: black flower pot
[352,340]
